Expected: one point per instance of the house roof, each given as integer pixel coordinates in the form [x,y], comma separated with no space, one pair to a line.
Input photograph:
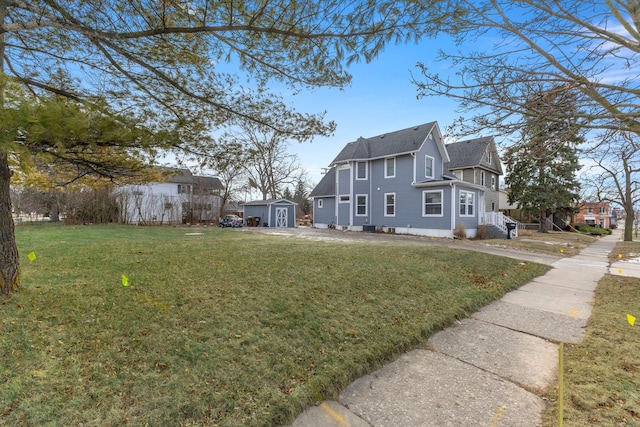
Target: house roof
[470,153]
[184,176]
[326,186]
[388,144]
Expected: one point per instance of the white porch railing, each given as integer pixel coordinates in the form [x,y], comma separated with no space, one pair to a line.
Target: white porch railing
[500,220]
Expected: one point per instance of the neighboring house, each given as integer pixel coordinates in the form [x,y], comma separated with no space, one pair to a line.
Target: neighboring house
[597,214]
[181,198]
[401,182]
[280,213]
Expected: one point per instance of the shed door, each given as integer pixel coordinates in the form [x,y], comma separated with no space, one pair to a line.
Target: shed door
[281,217]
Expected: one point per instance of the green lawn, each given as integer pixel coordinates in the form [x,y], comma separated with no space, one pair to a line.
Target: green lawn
[217,326]
[602,373]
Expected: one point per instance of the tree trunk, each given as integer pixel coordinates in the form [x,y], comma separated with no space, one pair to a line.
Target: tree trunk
[9,259]
[543,221]
[629,219]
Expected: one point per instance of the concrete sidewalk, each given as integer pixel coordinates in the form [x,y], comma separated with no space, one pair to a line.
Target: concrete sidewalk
[490,369]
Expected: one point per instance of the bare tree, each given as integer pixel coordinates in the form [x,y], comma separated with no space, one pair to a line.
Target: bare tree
[591,47]
[615,175]
[268,164]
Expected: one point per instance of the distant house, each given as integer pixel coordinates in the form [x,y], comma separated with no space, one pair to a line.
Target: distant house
[179,198]
[597,214]
[408,181]
[279,213]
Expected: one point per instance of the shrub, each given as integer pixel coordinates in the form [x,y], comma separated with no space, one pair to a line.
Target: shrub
[482,233]
[460,232]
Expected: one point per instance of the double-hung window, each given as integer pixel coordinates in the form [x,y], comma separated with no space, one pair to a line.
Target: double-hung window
[390,167]
[432,203]
[361,205]
[390,204]
[466,203]
[428,167]
[320,203]
[361,170]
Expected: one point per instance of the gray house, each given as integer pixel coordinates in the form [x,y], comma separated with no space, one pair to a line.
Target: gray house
[403,182]
[272,213]
[477,161]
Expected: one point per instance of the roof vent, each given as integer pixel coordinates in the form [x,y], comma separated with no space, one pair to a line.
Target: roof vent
[382,136]
[416,128]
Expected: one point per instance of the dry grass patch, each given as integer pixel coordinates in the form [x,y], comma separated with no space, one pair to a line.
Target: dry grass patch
[565,244]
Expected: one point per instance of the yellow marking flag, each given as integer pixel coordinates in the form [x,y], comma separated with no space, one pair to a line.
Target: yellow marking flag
[619,255]
[32,256]
[125,280]
[631,319]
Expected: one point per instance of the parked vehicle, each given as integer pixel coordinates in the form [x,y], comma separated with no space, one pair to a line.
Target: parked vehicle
[231,221]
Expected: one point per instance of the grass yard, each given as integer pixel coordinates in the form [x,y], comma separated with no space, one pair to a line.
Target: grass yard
[602,373]
[218,326]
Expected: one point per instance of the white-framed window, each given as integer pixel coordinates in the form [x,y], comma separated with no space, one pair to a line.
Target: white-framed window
[432,203]
[184,189]
[389,204]
[603,210]
[482,180]
[361,170]
[488,156]
[361,205]
[390,167]
[458,174]
[344,198]
[428,167]
[466,203]
[493,182]
[320,203]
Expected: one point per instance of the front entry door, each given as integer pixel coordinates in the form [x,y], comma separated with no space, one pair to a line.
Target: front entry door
[281,217]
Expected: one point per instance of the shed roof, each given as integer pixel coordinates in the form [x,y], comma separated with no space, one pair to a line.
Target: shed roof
[268,202]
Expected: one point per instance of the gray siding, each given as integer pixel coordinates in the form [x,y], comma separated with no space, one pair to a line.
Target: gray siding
[327,213]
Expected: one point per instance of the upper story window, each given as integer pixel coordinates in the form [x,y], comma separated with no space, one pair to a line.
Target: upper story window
[320,203]
[589,209]
[457,174]
[489,156]
[493,182]
[184,189]
[428,167]
[390,167]
[345,198]
[603,210]
[361,170]
[482,180]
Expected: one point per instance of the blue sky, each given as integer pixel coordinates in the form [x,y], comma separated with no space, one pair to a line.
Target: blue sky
[381,99]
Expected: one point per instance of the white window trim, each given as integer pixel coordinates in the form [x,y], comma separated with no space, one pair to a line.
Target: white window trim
[493,182]
[466,209]
[366,171]
[344,198]
[366,204]
[441,214]
[489,156]
[482,178]
[433,166]
[386,161]
[385,204]
[320,203]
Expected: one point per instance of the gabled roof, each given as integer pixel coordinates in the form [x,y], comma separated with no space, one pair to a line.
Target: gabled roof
[470,153]
[268,202]
[184,176]
[326,186]
[389,144]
